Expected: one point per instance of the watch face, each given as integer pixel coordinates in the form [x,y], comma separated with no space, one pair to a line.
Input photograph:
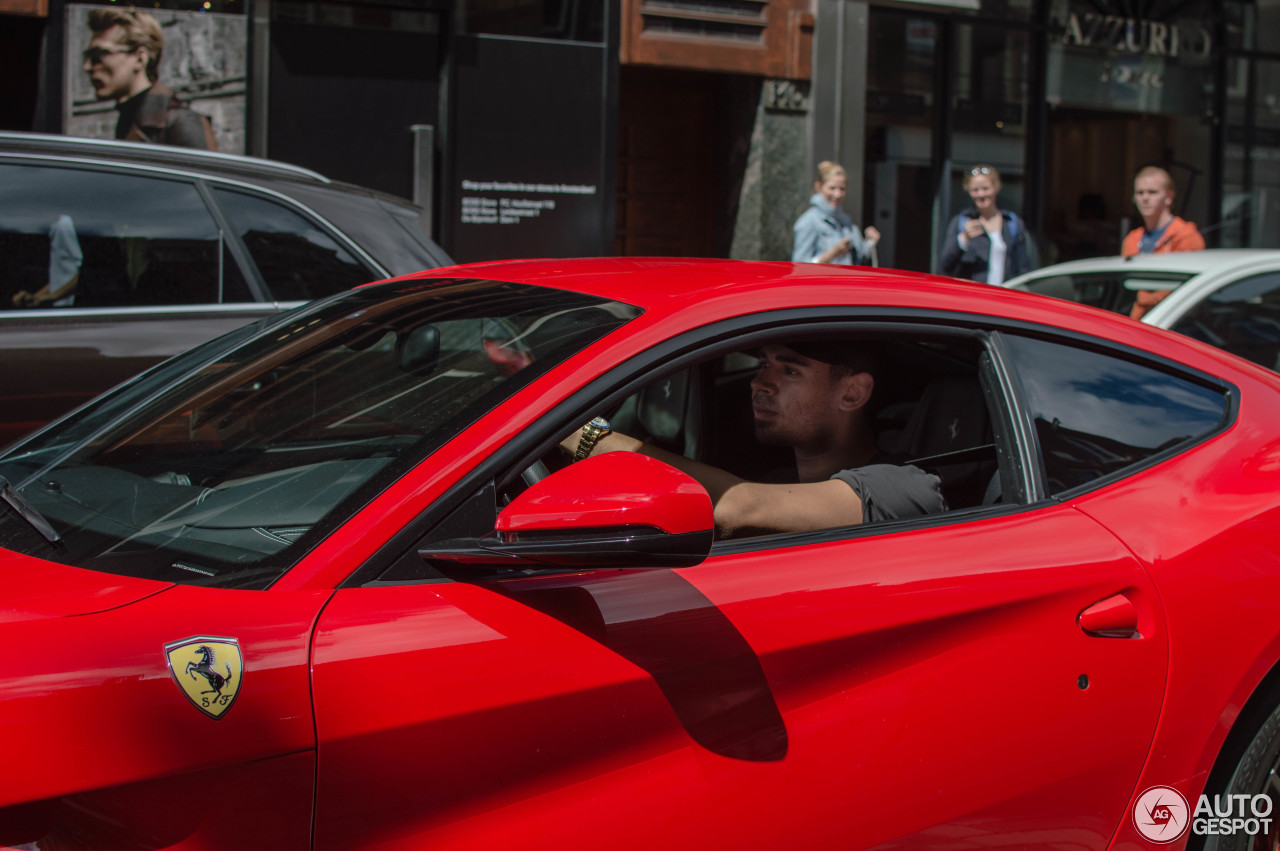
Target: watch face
[600,422]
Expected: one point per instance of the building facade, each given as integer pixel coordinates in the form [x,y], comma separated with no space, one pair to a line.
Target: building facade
[693,127]
[1069,100]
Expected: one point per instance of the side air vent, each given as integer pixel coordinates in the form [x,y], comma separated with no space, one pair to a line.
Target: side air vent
[768,38]
[731,20]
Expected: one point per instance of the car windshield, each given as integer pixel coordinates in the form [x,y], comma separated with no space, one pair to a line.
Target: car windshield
[223,467]
[1109,290]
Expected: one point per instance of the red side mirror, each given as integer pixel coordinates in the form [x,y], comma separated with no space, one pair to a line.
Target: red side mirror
[619,510]
[616,489]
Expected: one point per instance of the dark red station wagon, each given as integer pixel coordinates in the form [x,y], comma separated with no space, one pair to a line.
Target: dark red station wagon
[168,247]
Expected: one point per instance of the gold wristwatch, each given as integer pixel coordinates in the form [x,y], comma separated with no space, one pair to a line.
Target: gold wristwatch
[591,433]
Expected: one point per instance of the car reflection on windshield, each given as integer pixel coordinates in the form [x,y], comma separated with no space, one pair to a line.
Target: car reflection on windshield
[224,476]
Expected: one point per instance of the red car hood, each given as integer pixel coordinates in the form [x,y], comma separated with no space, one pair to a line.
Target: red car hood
[32,588]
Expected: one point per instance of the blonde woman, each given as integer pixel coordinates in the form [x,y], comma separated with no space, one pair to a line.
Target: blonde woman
[824,233]
[985,243]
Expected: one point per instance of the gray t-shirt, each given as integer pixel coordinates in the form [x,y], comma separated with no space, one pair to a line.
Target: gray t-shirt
[891,492]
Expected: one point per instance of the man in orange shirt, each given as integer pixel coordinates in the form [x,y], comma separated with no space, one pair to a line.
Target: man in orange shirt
[1161,230]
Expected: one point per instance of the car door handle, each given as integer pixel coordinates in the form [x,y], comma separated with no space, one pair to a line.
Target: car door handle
[1114,617]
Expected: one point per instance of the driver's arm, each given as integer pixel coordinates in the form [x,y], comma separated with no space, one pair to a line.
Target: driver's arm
[743,506]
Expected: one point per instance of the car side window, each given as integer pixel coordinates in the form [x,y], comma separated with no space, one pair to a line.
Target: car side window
[927,409]
[1096,414]
[108,239]
[1243,318]
[297,260]
[1104,291]
[1113,291]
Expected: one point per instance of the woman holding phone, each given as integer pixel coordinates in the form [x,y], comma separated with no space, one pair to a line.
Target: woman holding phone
[824,233]
[985,243]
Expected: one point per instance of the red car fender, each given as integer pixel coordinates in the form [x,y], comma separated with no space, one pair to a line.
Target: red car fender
[96,714]
[1218,656]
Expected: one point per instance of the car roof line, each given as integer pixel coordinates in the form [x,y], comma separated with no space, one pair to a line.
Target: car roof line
[169,153]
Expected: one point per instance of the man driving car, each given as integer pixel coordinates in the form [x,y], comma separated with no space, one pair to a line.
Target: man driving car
[813,398]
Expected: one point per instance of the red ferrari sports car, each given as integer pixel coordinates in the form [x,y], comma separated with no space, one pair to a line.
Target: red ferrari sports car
[334,581]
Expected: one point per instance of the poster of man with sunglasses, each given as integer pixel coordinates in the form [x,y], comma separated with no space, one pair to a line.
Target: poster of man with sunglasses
[121,66]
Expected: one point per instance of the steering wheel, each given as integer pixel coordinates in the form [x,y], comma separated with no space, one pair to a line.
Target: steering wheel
[535,472]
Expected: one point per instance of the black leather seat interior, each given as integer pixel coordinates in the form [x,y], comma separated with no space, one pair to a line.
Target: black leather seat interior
[670,412]
[950,417]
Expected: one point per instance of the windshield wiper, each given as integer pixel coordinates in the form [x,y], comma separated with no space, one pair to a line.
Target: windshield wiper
[27,511]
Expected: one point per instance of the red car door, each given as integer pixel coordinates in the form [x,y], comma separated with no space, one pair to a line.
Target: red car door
[150,716]
[936,687]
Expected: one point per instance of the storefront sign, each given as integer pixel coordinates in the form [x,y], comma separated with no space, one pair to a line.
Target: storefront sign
[1186,38]
[530,121]
[1159,64]
[499,202]
[786,95]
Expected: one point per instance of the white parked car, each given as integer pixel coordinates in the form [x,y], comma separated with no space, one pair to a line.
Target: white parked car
[1229,298]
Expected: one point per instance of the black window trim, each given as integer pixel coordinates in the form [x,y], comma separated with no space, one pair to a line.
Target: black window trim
[239,251]
[1018,478]
[1031,459]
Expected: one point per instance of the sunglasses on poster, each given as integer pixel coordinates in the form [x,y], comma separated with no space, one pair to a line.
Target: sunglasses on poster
[94,55]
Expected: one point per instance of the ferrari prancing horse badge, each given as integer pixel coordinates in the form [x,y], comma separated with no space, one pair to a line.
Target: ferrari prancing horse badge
[208,671]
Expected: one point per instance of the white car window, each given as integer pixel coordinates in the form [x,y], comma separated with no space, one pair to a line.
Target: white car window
[1242,318]
[1108,290]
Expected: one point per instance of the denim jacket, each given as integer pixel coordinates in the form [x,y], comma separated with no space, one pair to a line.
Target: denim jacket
[822,226]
